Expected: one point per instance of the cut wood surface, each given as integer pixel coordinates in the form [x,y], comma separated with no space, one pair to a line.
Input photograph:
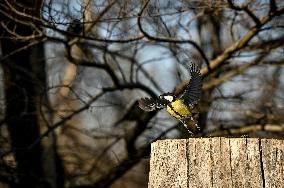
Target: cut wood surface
[217,162]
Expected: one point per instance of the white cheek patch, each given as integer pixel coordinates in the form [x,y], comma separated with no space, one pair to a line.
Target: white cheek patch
[169,98]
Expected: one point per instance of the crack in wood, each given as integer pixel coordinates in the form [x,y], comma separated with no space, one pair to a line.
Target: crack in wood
[261,163]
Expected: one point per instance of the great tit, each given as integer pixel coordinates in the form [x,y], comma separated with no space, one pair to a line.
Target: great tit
[179,107]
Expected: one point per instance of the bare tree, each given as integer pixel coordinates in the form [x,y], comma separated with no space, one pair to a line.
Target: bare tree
[74,70]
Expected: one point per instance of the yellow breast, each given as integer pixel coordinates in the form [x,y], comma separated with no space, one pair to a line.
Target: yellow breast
[179,108]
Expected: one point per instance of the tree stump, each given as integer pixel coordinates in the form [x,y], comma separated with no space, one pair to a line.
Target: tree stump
[217,162]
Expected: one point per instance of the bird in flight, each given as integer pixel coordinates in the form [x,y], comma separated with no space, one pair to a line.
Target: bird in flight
[180,107]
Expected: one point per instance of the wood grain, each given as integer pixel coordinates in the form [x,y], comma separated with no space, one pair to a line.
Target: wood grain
[217,162]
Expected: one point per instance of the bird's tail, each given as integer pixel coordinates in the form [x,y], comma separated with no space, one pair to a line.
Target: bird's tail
[191,124]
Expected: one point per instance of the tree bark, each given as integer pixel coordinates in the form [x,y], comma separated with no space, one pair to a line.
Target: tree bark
[217,162]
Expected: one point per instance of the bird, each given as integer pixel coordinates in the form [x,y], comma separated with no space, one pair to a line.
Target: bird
[180,107]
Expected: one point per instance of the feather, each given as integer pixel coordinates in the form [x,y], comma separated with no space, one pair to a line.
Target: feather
[147,104]
[192,92]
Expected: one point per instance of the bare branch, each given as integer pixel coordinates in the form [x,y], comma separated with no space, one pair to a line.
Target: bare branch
[159,39]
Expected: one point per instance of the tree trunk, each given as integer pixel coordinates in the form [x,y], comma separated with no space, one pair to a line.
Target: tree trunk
[217,162]
[25,93]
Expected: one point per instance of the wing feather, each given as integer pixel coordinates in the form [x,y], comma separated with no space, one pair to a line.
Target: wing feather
[150,104]
[147,104]
[192,93]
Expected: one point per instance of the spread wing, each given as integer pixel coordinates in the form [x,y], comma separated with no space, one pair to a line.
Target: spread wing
[192,92]
[150,104]
[147,104]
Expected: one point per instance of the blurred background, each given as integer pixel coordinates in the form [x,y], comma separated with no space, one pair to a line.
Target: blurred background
[72,72]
